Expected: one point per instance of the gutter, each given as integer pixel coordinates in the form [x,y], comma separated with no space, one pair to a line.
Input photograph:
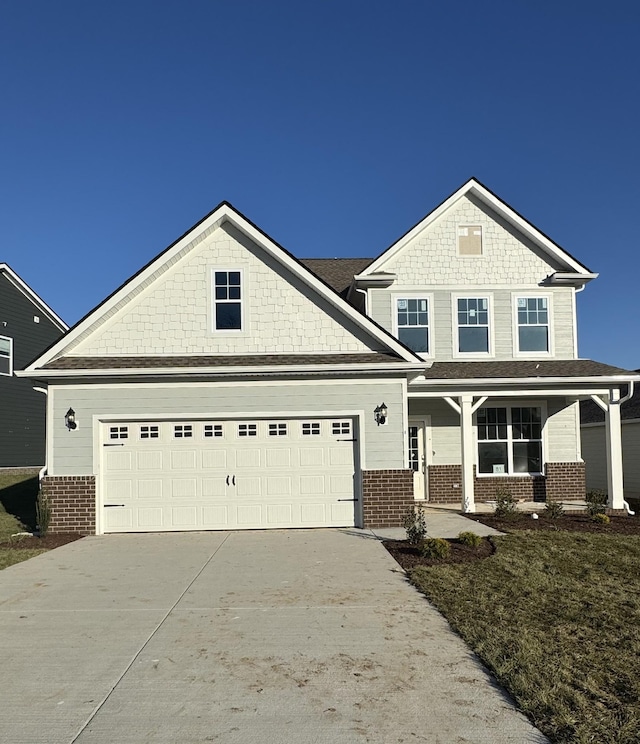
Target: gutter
[543,381]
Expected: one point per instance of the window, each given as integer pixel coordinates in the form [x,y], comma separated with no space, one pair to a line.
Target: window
[412,318]
[247,430]
[149,432]
[470,240]
[118,432]
[473,325]
[277,430]
[6,355]
[227,300]
[213,430]
[182,431]
[311,429]
[533,324]
[510,440]
[341,427]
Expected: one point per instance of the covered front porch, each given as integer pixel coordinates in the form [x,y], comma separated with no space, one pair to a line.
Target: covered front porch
[470,438]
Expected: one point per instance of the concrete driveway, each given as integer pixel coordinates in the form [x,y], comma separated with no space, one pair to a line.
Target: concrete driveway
[275,636]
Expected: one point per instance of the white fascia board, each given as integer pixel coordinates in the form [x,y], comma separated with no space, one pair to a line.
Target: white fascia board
[31,295]
[473,187]
[525,381]
[226,213]
[402,367]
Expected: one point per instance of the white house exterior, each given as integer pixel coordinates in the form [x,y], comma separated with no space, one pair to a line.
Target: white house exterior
[228,385]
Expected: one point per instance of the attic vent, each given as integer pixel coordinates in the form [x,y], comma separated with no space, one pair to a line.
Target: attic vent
[36,318]
[470,240]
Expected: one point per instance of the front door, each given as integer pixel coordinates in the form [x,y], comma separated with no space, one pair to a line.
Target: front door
[417,456]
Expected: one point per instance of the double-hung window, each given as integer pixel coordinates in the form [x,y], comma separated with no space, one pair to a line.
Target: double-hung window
[227,300]
[532,318]
[6,355]
[473,331]
[509,440]
[412,320]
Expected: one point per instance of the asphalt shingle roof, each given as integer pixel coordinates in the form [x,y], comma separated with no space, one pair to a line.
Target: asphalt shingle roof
[338,273]
[524,368]
[591,413]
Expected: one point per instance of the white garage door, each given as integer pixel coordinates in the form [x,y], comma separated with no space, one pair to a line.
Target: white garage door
[218,475]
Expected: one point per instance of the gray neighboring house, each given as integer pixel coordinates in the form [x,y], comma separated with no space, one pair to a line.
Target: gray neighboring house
[229,385]
[593,435]
[27,327]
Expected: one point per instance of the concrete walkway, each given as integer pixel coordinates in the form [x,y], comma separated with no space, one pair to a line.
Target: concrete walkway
[440,523]
[267,636]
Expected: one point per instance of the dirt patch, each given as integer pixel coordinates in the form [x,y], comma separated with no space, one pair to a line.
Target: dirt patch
[408,556]
[568,522]
[47,542]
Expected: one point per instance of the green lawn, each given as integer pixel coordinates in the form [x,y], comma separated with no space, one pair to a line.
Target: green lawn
[556,617]
[18,493]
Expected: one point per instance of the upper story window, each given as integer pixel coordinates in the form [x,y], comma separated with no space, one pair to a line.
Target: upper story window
[227,300]
[470,240]
[473,332]
[412,322]
[6,355]
[532,319]
[509,440]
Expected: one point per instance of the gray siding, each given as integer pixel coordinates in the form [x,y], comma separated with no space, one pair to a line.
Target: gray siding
[22,409]
[73,451]
[442,324]
[595,457]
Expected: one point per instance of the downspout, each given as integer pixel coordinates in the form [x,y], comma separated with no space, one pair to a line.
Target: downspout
[366,295]
[43,470]
[624,400]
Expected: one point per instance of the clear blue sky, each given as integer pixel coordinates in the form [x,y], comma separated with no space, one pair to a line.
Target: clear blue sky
[334,126]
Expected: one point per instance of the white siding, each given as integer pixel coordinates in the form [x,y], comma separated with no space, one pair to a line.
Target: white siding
[73,450]
[595,457]
[562,431]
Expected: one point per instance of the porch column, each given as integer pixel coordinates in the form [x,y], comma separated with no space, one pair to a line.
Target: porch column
[466,425]
[613,446]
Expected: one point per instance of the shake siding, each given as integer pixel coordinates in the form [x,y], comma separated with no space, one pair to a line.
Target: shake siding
[73,451]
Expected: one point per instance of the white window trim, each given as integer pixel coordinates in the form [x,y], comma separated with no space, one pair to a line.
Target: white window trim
[542,405]
[467,225]
[243,302]
[516,336]
[10,357]
[414,296]
[455,296]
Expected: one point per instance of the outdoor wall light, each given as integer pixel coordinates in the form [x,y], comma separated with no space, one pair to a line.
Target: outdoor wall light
[380,414]
[70,419]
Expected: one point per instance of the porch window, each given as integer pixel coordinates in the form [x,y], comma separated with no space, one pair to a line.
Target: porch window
[533,324]
[412,319]
[510,440]
[473,325]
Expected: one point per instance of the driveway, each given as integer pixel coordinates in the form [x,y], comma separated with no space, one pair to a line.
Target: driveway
[236,637]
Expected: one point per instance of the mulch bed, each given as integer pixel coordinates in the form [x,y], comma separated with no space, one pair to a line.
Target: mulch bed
[570,522]
[47,542]
[408,556]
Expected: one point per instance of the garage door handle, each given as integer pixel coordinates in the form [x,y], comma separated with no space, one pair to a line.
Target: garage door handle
[108,505]
[347,499]
[346,440]
[233,480]
[227,480]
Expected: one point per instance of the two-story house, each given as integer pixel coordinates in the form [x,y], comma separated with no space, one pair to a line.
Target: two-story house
[27,327]
[228,385]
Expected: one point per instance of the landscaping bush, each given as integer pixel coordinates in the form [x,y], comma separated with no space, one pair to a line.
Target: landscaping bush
[596,502]
[601,518]
[435,547]
[43,513]
[553,509]
[415,525]
[506,505]
[470,539]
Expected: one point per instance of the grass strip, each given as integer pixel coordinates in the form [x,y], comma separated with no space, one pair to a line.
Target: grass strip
[556,617]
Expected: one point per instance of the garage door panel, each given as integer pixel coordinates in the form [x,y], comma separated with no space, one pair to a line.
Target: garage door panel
[252,474]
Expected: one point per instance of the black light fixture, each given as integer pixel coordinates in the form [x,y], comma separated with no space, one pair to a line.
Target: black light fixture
[70,419]
[380,413]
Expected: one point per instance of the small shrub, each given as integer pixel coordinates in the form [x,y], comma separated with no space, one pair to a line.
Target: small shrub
[435,547]
[600,518]
[415,525]
[470,539]
[43,513]
[596,502]
[506,505]
[553,509]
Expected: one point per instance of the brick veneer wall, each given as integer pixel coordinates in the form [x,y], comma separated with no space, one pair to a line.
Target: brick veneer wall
[72,499]
[562,481]
[386,496]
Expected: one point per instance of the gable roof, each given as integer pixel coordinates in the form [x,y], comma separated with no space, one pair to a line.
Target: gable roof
[26,290]
[486,196]
[223,213]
